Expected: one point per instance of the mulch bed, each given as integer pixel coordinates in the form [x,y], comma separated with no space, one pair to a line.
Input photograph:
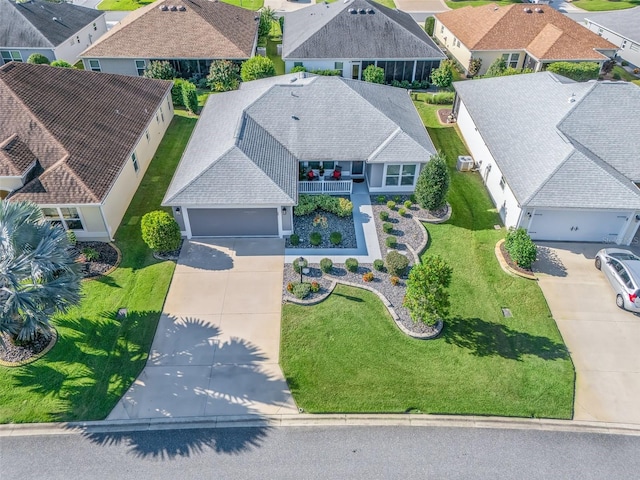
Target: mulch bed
[11,353]
[513,264]
[107,258]
[443,115]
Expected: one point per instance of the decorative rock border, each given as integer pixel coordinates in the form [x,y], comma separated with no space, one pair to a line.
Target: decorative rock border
[396,319]
[506,267]
[112,269]
[446,217]
[52,342]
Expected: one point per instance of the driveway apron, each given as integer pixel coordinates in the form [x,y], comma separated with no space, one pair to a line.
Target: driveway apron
[216,348]
[602,339]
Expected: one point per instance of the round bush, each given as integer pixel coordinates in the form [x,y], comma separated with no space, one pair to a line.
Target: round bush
[408,204]
[351,264]
[402,212]
[315,287]
[160,231]
[61,64]
[326,264]
[301,290]
[521,248]
[378,264]
[294,239]
[335,238]
[297,264]
[394,280]
[397,198]
[382,199]
[367,277]
[38,59]
[387,227]
[391,205]
[391,241]
[396,263]
[384,215]
[315,239]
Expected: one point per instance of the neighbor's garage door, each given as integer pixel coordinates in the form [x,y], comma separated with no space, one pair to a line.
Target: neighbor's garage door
[233,222]
[577,226]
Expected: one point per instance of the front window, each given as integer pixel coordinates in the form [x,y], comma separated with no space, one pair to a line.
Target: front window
[400,175]
[339,66]
[68,217]
[140,67]
[94,66]
[297,64]
[11,55]
[503,182]
[511,60]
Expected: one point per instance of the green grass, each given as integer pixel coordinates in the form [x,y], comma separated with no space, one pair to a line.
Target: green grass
[478,3]
[346,355]
[98,356]
[135,4]
[600,5]
[624,75]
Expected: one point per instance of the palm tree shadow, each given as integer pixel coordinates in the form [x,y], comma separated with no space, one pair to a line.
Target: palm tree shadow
[486,339]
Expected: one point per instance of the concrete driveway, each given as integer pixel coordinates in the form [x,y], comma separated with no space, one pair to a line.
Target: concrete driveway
[602,339]
[216,348]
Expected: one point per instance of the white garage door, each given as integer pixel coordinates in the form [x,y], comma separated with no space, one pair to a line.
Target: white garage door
[577,226]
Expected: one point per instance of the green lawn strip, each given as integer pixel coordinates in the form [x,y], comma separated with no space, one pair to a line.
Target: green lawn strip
[346,355]
[98,356]
[624,75]
[272,53]
[248,4]
[478,3]
[603,5]
[122,4]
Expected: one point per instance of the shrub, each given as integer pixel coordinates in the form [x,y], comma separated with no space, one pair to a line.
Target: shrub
[384,215]
[267,17]
[315,239]
[608,66]
[396,263]
[159,70]
[176,92]
[61,64]
[373,74]
[190,97]
[378,264]
[38,59]
[315,287]
[289,287]
[326,265]
[474,67]
[327,73]
[391,205]
[342,207]
[394,280]
[160,231]
[402,212]
[497,68]
[580,72]
[636,71]
[624,63]
[407,204]
[256,68]
[387,227]
[429,23]
[616,76]
[351,264]
[427,299]
[301,290]
[391,241]
[298,265]
[433,183]
[72,238]
[335,238]
[521,248]
[299,68]
[381,199]
[223,76]
[412,197]
[367,277]
[397,198]
[90,254]
[440,98]
[442,77]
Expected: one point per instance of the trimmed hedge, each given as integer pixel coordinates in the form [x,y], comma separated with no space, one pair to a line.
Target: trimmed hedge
[580,72]
[351,264]
[440,98]
[307,204]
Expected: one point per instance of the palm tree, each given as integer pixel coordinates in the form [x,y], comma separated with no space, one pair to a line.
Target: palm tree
[38,273]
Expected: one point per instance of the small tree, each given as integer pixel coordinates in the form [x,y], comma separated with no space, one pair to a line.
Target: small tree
[429,23]
[373,74]
[521,248]
[176,92]
[474,66]
[442,77]
[160,231]
[223,76]
[160,70]
[433,183]
[497,68]
[267,17]
[61,64]
[256,68]
[190,96]
[427,298]
[38,59]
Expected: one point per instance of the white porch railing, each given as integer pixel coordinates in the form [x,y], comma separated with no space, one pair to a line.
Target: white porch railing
[328,186]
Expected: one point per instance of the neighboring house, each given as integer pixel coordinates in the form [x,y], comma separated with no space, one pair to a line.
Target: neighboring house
[78,143]
[190,34]
[525,36]
[353,34]
[621,27]
[252,149]
[59,31]
[559,158]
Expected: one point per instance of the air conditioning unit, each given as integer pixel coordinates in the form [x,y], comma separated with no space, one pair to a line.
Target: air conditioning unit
[465,163]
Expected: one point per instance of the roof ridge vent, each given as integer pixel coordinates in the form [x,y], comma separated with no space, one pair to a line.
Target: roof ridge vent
[182,8]
[163,8]
[370,10]
[362,10]
[352,10]
[527,10]
[572,98]
[539,10]
[173,8]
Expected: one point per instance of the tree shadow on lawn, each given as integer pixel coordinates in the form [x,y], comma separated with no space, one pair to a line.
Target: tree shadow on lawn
[486,339]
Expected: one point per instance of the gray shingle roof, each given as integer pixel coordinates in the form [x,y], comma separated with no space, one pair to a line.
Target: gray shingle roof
[41,24]
[331,31]
[552,138]
[623,22]
[275,123]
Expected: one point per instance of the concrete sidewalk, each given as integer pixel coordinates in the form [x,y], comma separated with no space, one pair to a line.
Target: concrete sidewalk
[216,348]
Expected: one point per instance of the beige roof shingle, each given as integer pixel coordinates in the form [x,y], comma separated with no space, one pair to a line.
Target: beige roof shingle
[539,29]
[186,29]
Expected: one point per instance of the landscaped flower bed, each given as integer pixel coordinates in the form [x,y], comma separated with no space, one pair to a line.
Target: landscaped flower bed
[303,226]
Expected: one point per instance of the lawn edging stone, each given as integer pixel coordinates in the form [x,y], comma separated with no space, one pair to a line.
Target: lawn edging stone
[505,265]
[443,219]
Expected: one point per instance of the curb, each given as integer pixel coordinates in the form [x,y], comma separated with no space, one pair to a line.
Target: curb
[309,420]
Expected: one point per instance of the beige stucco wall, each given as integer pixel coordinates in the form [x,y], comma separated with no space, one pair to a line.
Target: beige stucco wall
[10,183]
[94,227]
[446,39]
[117,200]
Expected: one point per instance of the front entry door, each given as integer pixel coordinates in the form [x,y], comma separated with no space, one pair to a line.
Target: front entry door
[355,71]
[357,168]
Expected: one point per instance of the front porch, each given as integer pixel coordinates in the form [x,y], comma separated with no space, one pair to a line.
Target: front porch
[326,185]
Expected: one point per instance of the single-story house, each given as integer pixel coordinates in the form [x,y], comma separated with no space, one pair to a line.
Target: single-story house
[78,154]
[559,158]
[350,35]
[620,27]
[59,31]
[525,36]
[189,34]
[255,150]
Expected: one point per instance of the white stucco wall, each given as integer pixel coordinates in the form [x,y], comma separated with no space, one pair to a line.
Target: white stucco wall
[71,48]
[630,51]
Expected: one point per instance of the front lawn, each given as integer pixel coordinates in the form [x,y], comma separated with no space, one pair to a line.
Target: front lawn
[98,355]
[603,5]
[346,355]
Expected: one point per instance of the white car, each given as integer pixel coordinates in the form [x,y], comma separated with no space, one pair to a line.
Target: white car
[622,269]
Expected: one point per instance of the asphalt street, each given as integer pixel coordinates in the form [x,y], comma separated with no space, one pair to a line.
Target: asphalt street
[323,452]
